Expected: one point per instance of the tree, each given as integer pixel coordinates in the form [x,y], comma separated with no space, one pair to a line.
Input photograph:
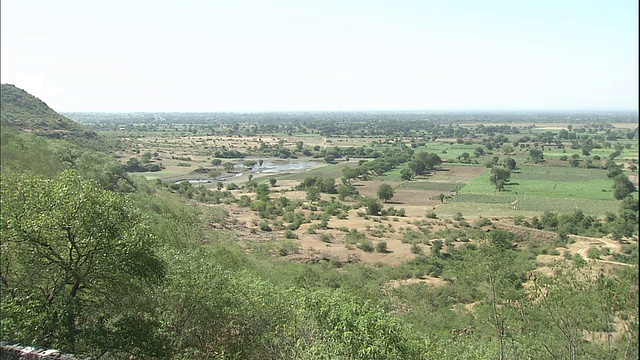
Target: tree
[313,194]
[330,159]
[216,162]
[133,165]
[478,152]
[372,205]
[536,155]
[406,174]
[272,182]
[229,166]
[385,192]
[436,247]
[78,262]
[249,164]
[622,186]
[499,177]
[510,163]
[344,191]
[507,148]
[348,174]
[146,158]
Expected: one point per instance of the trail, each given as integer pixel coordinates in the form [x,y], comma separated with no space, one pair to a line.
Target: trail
[584,243]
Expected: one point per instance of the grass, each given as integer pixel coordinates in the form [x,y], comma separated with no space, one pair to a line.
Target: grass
[487,207]
[430,185]
[329,170]
[548,182]
[539,189]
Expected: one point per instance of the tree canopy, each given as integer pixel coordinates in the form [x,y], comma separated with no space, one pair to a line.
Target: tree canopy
[76,261]
[385,192]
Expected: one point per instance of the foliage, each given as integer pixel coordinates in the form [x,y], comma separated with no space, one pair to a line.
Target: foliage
[77,261]
[499,177]
[372,205]
[622,186]
[385,192]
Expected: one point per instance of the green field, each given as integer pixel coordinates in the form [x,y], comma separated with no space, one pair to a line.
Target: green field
[329,170]
[429,185]
[538,189]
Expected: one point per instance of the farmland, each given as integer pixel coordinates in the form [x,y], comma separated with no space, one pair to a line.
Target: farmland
[569,173]
[418,217]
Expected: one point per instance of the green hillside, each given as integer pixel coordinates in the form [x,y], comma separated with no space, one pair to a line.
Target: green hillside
[22,110]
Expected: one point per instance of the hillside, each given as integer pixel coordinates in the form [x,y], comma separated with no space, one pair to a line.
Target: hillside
[28,113]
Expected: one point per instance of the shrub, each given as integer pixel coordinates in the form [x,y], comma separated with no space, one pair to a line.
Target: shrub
[481,222]
[416,249]
[593,253]
[381,247]
[328,238]
[365,245]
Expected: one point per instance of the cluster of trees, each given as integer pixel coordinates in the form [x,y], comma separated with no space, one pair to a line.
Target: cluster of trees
[91,271]
[623,224]
[135,165]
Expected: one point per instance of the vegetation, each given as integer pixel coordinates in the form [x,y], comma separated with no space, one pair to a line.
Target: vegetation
[487,258]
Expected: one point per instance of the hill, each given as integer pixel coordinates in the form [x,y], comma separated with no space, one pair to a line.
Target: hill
[19,109]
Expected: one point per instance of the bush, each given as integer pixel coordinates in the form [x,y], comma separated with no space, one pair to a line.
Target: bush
[328,238]
[264,226]
[432,215]
[593,253]
[365,245]
[482,222]
[416,249]
[286,247]
[381,247]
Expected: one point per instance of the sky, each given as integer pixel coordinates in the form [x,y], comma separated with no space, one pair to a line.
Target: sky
[298,55]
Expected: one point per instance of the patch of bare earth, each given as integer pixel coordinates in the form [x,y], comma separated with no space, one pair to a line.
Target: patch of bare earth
[427,280]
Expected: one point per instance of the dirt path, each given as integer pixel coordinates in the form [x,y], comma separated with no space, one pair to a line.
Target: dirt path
[582,245]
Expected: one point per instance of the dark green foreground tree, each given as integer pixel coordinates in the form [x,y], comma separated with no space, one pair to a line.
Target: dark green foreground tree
[78,263]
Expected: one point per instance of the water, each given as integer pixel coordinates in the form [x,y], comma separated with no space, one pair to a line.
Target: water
[272,168]
[268,167]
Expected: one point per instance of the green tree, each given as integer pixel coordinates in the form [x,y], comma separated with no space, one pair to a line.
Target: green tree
[385,192]
[146,158]
[229,166]
[249,164]
[372,205]
[272,182]
[216,162]
[436,247]
[349,174]
[510,163]
[622,186]
[345,191]
[77,264]
[406,174]
[499,177]
[313,194]
[536,156]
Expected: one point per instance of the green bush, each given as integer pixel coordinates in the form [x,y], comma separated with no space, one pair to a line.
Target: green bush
[381,247]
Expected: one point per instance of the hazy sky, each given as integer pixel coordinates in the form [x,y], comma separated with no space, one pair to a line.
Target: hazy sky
[237,55]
